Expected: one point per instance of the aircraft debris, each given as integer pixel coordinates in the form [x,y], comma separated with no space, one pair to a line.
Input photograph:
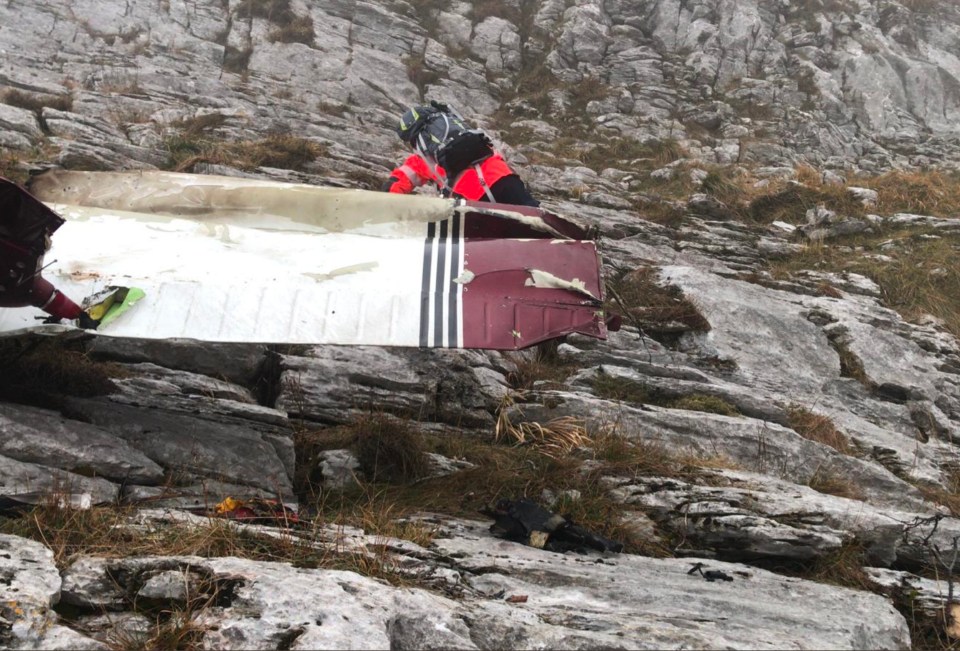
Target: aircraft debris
[241,260]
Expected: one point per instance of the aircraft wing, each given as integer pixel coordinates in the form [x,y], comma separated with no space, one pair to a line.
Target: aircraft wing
[242,260]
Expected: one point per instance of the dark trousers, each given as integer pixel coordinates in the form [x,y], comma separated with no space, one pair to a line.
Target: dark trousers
[511,189]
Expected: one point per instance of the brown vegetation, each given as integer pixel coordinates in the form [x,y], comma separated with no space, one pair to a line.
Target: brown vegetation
[831,483]
[298,30]
[658,310]
[915,269]
[819,428]
[526,460]
[390,449]
[626,390]
[541,364]
[36,102]
[277,150]
[41,372]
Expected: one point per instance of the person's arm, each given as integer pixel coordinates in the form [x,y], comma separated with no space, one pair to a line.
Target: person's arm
[52,301]
[389,183]
[413,173]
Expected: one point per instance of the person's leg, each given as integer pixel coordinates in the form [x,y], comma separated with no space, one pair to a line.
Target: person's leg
[511,189]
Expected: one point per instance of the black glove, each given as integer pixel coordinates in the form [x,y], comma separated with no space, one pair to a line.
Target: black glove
[388,184]
[87,322]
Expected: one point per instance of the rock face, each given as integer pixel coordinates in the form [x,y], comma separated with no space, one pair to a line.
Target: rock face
[510,596]
[30,588]
[847,84]
[850,86]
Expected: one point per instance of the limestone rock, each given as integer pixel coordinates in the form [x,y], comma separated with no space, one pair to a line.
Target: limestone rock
[29,588]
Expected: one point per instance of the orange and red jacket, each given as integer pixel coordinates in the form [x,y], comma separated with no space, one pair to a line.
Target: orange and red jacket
[415,172]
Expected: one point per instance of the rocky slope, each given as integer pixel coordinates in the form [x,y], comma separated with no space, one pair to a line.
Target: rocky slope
[585,99]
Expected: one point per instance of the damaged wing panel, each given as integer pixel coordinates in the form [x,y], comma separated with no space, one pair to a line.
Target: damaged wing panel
[240,260]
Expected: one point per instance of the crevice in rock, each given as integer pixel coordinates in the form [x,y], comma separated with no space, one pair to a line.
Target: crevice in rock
[890,392]
[286,639]
[850,365]
[267,386]
[890,460]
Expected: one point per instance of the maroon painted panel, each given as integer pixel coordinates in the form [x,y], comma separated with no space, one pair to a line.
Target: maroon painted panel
[484,225]
[502,311]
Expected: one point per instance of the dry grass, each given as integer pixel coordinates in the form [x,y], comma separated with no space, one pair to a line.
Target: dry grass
[539,364]
[918,274]
[555,438]
[277,150]
[647,457]
[36,102]
[831,483]
[609,387]
[948,497]
[558,456]
[419,74]
[790,201]
[10,167]
[946,494]
[382,509]
[279,12]
[662,312]
[179,628]
[375,511]
[107,532]
[932,192]
[705,403]
[815,427]
[298,30]
[103,531]
[480,10]
[850,364]
[390,449]
[200,125]
[309,444]
[661,211]
[617,152]
[923,279]
[627,390]
[843,567]
[920,277]
[41,372]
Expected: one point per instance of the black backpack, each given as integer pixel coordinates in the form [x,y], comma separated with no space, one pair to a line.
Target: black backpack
[443,137]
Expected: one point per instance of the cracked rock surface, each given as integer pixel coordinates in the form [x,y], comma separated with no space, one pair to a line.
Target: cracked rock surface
[855,86]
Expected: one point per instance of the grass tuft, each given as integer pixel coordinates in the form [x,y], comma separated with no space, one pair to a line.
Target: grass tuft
[843,567]
[819,428]
[539,364]
[915,269]
[929,192]
[276,150]
[627,390]
[41,372]
[36,103]
[830,483]
[390,449]
[298,30]
[555,438]
[705,403]
[660,311]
